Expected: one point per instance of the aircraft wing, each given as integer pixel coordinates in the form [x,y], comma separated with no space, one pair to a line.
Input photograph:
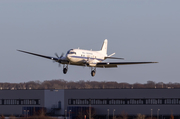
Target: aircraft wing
[113,58]
[48,57]
[115,64]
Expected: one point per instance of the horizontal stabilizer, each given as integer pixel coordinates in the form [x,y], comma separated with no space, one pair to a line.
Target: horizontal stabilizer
[111,55]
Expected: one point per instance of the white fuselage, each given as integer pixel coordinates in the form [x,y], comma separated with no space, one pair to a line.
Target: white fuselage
[81,57]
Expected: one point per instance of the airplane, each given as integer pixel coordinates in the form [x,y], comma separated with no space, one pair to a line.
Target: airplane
[89,58]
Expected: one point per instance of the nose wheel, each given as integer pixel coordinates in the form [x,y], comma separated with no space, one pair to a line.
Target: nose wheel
[65,68]
[93,71]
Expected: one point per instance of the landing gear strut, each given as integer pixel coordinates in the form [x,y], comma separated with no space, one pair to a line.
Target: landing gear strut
[93,71]
[65,68]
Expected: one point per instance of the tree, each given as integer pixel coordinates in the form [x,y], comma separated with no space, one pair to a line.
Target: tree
[140,116]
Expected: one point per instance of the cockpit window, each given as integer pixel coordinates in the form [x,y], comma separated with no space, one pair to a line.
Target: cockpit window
[71,52]
[68,52]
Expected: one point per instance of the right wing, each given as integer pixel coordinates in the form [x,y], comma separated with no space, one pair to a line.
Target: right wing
[113,58]
[114,64]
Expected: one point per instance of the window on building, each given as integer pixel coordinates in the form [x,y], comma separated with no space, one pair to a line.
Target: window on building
[19,102]
[157,101]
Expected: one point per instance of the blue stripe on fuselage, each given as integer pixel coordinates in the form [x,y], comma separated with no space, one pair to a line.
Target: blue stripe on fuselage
[86,58]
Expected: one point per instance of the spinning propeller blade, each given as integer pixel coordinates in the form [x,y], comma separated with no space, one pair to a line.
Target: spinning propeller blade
[59,58]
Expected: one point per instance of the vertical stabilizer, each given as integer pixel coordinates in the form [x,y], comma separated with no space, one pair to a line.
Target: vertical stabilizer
[104,47]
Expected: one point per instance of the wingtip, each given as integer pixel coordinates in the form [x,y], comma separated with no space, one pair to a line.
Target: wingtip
[19,50]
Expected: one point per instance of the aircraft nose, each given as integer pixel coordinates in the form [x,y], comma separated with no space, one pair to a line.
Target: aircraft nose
[68,57]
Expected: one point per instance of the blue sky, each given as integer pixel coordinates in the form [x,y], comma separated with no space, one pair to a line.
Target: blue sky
[137,30]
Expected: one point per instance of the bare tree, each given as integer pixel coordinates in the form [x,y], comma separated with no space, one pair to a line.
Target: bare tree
[62,84]
[123,115]
[140,116]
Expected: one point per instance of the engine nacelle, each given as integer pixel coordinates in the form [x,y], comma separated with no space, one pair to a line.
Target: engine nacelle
[93,63]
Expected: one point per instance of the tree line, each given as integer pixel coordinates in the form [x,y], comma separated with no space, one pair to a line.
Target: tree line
[81,84]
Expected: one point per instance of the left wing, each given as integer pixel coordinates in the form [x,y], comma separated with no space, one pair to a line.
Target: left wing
[48,57]
[114,64]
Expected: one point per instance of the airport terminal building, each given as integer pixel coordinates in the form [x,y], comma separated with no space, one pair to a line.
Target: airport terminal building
[103,103]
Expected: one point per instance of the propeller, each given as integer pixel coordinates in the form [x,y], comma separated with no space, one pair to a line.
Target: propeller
[62,55]
[59,58]
[56,55]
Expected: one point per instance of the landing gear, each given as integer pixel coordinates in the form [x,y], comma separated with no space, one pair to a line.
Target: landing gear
[65,68]
[93,71]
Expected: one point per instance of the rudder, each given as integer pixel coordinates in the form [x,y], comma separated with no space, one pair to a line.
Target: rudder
[104,47]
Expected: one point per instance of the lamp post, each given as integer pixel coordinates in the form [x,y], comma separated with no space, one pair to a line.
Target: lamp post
[65,113]
[24,113]
[108,113]
[113,113]
[27,113]
[158,113]
[69,114]
[151,113]
[89,108]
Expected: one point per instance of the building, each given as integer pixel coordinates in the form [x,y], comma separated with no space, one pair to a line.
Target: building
[103,103]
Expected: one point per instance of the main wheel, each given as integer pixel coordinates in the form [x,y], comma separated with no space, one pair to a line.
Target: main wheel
[93,73]
[65,70]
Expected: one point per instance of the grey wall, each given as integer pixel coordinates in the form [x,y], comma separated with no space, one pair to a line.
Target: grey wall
[127,93]
[52,97]
[123,93]
[19,94]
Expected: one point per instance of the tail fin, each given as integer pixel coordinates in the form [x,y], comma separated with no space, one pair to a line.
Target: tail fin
[104,47]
